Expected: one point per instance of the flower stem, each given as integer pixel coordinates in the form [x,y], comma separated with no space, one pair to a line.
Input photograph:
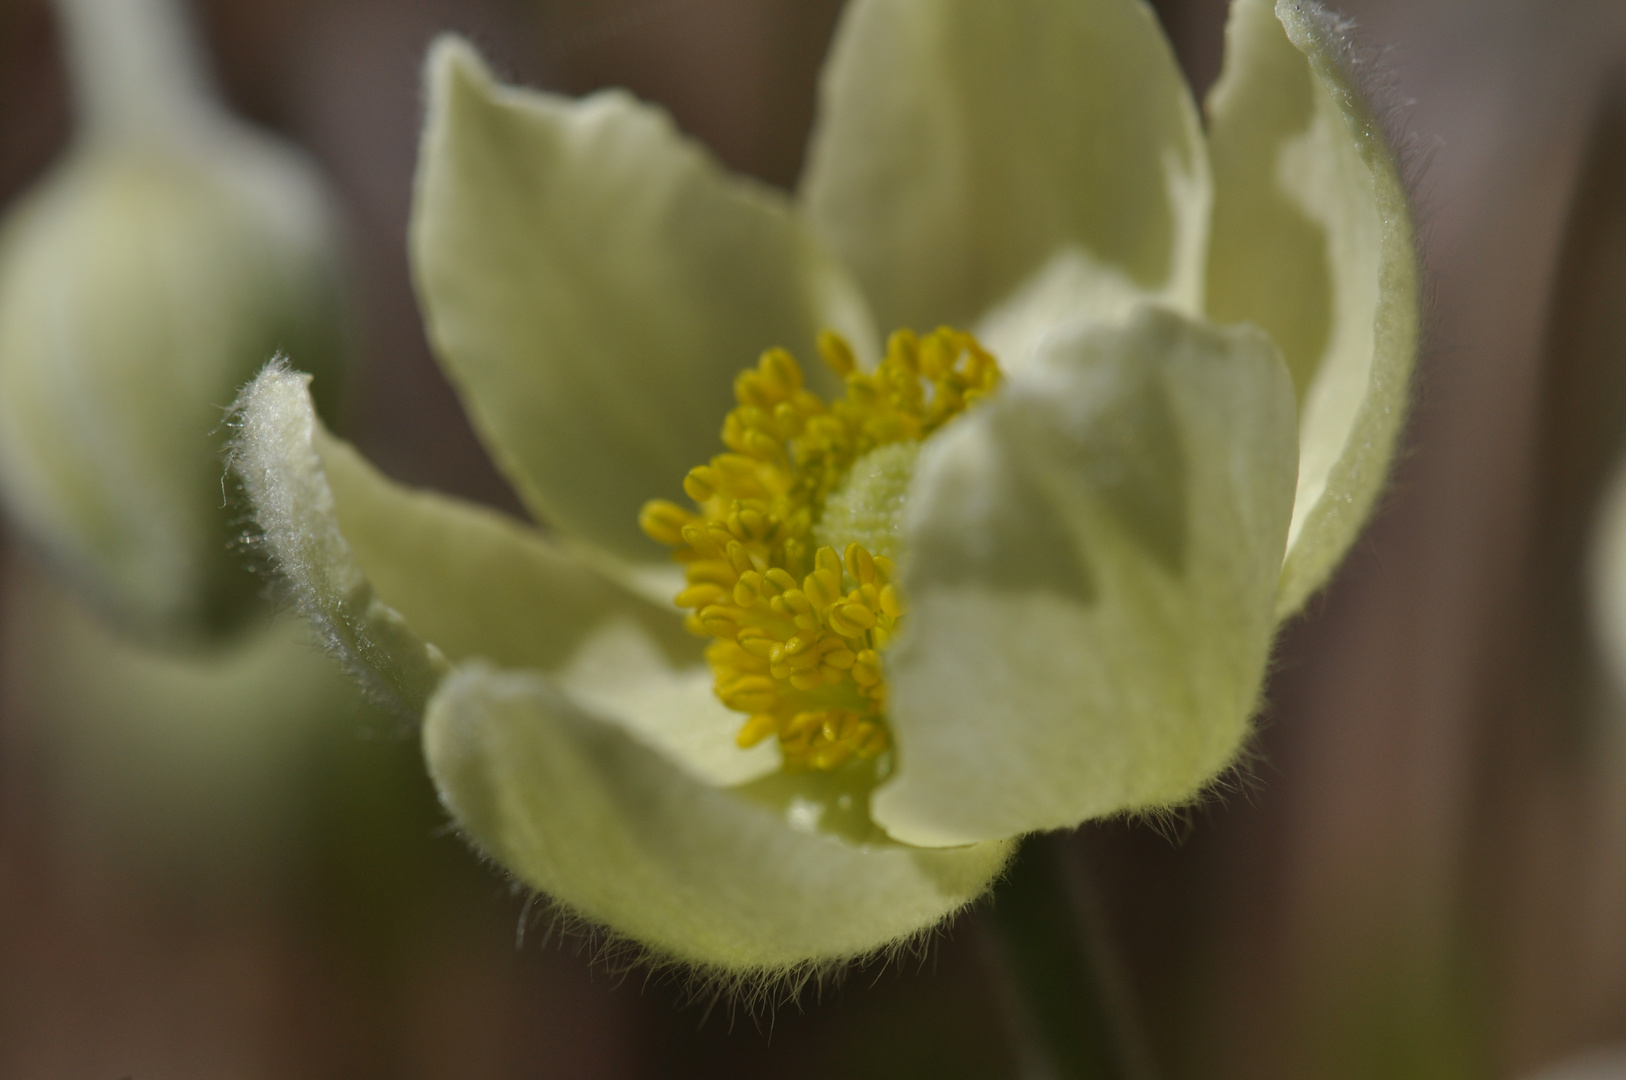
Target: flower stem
[136,68]
[1065,993]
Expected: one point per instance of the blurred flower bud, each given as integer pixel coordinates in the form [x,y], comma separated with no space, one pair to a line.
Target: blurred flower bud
[150,274]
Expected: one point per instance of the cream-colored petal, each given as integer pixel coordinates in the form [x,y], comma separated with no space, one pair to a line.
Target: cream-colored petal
[1091,567]
[413,567]
[1071,288]
[962,145]
[476,582]
[578,810]
[1313,241]
[592,282]
[618,672]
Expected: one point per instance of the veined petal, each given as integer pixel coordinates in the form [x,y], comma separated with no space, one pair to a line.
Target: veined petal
[962,145]
[587,815]
[1091,565]
[402,582]
[1313,241]
[593,282]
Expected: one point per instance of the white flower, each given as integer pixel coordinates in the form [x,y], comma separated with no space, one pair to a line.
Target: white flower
[1094,556]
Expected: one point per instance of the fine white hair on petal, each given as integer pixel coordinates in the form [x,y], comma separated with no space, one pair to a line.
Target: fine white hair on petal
[273,454]
[616,832]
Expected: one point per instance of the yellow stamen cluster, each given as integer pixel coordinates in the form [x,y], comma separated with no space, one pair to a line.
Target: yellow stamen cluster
[799,631]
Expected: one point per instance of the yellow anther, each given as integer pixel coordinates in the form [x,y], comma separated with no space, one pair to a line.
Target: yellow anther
[843,626]
[822,588]
[837,354]
[795,550]
[698,596]
[934,357]
[721,621]
[712,571]
[663,521]
[738,557]
[806,680]
[750,694]
[806,660]
[764,445]
[728,654]
[900,350]
[748,590]
[804,723]
[799,643]
[798,627]
[718,534]
[756,729]
[748,523]
[739,473]
[780,369]
[867,668]
[699,540]
[701,483]
[858,613]
[859,563]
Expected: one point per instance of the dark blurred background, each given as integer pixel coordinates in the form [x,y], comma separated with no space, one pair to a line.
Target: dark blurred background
[1422,875]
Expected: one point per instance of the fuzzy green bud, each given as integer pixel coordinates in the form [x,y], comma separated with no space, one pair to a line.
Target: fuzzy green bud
[145,279]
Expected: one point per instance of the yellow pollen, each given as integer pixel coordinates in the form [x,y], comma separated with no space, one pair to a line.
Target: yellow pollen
[799,628]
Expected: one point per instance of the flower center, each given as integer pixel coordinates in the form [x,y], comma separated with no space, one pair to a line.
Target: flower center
[789,552]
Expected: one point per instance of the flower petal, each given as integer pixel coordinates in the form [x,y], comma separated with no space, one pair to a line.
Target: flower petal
[384,570]
[593,282]
[1313,241]
[962,145]
[1091,566]
[580,811]
[275,457]
[476,582]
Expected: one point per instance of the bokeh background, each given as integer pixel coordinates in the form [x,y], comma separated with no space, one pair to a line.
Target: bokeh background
[1421,874]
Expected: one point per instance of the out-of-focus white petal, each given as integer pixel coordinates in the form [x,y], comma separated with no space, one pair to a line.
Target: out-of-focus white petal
[140,286]
[1091,563]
